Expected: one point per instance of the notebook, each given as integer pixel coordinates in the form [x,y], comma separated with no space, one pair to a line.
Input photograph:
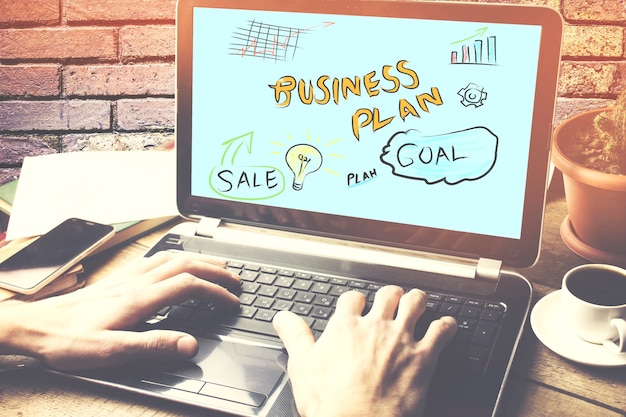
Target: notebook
[344,145]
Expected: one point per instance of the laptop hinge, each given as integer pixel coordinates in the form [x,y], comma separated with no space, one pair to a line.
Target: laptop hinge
[207,226]
[488,269]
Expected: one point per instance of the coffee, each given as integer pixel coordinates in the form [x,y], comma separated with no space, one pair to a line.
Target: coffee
[598,286]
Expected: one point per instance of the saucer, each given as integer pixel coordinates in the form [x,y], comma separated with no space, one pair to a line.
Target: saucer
[546,322]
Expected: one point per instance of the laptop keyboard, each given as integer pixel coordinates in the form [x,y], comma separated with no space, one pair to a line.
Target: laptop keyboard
[266,290]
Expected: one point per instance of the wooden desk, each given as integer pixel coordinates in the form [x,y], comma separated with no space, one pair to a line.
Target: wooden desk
[541,383]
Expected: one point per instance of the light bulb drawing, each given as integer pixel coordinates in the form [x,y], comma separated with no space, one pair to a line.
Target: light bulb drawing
[302,160]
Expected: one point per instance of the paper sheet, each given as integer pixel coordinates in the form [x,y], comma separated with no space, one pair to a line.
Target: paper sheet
[104,187]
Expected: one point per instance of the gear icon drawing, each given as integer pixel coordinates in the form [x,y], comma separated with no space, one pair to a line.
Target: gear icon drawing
[472,95]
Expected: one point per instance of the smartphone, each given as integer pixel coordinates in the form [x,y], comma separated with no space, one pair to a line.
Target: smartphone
[48,257]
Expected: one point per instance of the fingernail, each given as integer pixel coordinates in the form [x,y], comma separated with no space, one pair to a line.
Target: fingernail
[187,346]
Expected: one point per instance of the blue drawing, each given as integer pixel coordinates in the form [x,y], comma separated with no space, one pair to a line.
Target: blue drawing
[466,155]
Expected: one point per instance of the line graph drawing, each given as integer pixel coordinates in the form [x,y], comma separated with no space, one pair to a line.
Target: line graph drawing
[268,41]
[261,40]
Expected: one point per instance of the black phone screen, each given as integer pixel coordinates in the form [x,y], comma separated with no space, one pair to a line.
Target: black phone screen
[51,252]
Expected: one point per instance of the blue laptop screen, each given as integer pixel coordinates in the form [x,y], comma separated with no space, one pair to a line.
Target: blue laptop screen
[418,122]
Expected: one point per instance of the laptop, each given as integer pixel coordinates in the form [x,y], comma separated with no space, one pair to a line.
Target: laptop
[331,146]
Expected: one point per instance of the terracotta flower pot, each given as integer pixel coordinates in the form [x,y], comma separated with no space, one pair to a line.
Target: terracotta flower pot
[596,202]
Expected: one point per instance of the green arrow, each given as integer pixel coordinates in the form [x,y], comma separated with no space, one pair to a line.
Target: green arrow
[479,32]
[234,145]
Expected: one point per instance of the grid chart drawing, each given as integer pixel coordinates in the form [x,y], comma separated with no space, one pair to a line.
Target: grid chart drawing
[261,40]
[480,54]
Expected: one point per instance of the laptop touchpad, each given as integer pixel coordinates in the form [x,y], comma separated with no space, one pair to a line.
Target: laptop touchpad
[230,371]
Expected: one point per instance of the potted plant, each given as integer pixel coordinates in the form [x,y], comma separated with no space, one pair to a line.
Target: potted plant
[590,150]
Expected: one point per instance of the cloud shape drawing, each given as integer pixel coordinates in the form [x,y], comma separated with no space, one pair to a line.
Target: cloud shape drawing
[465,155]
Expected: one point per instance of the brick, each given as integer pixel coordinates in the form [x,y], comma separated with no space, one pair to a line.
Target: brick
[120,10]
[13,149]
[554,4]
[593,41]
[595,10]
[58,43]
[55,115]
[588,79]
[8,175]
[119,80]
[131,141]
[30,80]
[29,11]
[140,42]
[568,107]
[146,114]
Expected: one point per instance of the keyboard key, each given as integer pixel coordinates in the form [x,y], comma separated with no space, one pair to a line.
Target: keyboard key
[464,323]
[323,300]
[267,290]
[246,275]
[491,315]
[269,270]
[302,309]
[266,278]
[251,267]
[247,311]
[469,311]
[235,264]
[302,285]
[250,287]
[264,302]
[265,315]
[319,325]
[320,288]
[338,281]
[485,331]
[449,309]
[286,294]
[337,290]
[304,297]
[284,282]
[321,278]
[321,312]
[283,305]
[247,299]
[433,305]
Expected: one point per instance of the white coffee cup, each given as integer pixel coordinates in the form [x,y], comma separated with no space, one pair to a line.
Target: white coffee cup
[594,303]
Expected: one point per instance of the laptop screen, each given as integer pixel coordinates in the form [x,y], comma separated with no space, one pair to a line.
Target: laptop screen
[368,122]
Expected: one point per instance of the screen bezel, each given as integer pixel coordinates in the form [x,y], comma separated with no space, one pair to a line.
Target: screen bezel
[522,252]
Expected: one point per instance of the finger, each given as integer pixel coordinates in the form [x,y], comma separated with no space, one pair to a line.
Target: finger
[111,348]
[145,264]
[386,302]
[177,289]
[294,332]
[201,268]
[412,306]
[440,332]
[350,303]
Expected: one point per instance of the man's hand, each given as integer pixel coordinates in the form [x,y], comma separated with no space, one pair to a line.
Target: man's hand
[364,365]
[88,328]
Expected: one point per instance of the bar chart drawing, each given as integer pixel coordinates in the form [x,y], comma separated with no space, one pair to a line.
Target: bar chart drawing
[481,52]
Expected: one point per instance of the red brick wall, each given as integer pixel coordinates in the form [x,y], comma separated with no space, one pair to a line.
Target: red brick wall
[99,74]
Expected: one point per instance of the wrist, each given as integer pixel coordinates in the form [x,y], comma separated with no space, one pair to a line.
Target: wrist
[14,335]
